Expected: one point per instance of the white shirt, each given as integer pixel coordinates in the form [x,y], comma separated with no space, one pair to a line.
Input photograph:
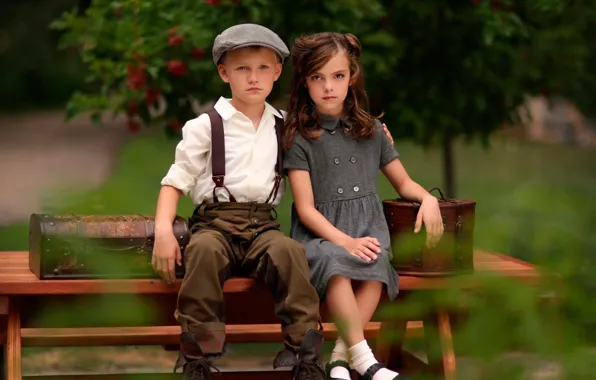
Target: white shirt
[251,157]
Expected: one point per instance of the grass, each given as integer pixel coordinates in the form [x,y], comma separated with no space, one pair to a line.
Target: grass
[534,201]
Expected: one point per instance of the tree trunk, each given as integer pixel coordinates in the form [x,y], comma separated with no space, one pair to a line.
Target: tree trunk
[448,167]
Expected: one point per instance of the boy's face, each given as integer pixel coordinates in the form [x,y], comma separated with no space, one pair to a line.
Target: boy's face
[328,86]
[251,73]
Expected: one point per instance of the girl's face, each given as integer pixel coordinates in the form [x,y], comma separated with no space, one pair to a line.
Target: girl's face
[328,86]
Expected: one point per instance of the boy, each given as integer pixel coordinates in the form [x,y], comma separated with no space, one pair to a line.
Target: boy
[229,162]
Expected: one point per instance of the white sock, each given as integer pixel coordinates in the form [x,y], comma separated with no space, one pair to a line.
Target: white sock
[340,352]
[363,358]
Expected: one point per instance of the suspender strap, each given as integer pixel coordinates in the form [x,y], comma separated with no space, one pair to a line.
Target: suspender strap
[279,124]
[218,153]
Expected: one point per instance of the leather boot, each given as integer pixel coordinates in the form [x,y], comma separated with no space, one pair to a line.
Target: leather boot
[195,365]
[304,360]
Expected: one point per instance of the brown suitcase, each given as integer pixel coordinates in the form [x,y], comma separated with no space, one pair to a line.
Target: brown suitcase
[96,246]
[454,254]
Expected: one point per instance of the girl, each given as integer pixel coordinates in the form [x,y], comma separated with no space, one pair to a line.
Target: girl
[335,149]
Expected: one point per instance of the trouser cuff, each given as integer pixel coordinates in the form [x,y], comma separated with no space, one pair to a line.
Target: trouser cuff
[210,337]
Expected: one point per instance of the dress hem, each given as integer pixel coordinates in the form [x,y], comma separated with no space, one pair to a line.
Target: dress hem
[322,290]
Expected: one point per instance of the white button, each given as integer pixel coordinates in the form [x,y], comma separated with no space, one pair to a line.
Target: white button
[340,190]
[336,160]
[356,188]
[353,160]
[332,132]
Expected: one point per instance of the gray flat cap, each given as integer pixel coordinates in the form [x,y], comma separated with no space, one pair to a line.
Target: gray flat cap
[244,35]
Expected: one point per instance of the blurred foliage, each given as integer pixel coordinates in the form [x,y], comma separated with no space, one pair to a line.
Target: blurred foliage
[433,67]
[153,58]
[33,74]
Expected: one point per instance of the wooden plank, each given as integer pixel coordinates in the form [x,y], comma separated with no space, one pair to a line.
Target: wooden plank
[4,305]
[414,365]
[17,279]
[389,345]
[439,342]
[12,347]
[224,375]
[169,335]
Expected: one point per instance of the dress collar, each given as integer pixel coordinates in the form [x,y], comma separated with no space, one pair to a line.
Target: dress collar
[330,123]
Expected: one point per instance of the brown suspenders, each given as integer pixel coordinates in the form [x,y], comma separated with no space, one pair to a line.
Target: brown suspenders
[218,155]
[279,124]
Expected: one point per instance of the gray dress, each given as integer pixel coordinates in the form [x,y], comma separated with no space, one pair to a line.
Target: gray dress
[344,173]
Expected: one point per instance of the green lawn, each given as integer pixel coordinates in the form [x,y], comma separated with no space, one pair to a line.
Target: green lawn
[533,200]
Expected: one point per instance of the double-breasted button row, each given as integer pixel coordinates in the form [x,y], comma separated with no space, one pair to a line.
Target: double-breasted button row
[341,190]
[352,160]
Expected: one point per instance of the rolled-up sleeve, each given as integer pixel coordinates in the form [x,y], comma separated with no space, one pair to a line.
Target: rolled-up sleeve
[388,152]
[297,156]
[191,154]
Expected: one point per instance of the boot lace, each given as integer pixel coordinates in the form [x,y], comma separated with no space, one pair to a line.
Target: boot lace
[306,370]
[200,369]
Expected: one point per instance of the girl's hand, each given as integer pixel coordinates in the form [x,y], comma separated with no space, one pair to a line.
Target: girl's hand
[430,215]
[366,248]
[387,133]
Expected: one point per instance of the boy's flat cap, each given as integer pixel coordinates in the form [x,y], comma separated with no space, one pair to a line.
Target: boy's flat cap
[244,35]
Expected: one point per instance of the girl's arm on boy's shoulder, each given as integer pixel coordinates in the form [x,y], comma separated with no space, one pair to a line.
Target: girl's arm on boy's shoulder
[308,214]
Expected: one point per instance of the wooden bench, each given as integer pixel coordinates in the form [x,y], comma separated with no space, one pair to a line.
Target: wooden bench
[27,299]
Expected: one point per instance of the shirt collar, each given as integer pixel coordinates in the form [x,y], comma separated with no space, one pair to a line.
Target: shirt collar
[273,110]
[227,110]
[330,123]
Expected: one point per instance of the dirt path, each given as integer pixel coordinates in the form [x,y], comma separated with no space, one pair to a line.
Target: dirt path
[41,151]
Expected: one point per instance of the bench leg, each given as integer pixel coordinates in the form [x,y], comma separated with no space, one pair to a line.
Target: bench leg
[439,341]
[389,350]
[12,346]
[3,319]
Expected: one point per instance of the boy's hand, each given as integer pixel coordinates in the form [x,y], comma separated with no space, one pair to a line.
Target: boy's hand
[366,248]
[387,133]
[165,253]
[430,214]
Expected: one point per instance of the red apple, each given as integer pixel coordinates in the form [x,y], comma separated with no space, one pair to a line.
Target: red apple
[152,95]
[177,67]
[136,77]
[198,53]
[175,40]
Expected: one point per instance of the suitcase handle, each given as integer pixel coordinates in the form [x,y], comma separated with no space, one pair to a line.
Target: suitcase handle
[440,192]
[442,197]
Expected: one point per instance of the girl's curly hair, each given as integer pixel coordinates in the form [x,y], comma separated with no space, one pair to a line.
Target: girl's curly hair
[309,53]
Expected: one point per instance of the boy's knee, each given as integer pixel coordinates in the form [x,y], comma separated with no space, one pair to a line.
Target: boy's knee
[286,247]
[206,247]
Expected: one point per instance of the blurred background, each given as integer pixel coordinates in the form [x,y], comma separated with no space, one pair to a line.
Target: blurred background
[490,100]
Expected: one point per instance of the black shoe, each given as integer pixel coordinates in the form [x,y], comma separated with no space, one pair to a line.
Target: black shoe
[195,365]
[370,372]
[331,365]
[199,369]
[309,352]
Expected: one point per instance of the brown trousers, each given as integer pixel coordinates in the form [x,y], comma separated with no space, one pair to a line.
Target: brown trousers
[243,239]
